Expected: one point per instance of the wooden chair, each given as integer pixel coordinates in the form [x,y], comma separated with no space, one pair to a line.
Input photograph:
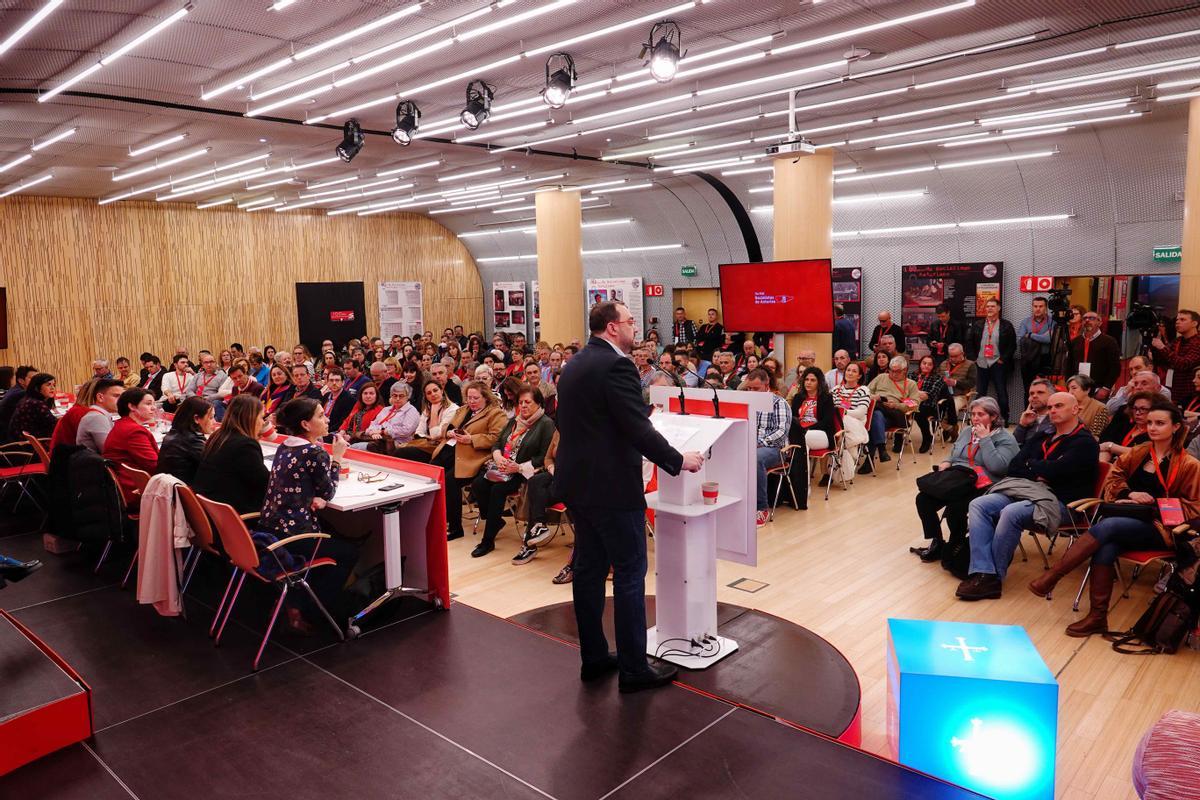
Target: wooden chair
[246,559]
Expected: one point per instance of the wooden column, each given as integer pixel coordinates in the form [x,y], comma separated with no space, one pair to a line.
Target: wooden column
[560,266]
[1189,263]
[804,229]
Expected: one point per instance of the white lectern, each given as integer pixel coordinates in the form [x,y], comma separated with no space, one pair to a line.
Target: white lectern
[689,536]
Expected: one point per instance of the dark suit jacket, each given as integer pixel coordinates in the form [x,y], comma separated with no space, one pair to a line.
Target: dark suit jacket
[454,392]
[234,474]
[895,331]
[939,342]
[1007,338]
[845,337]
[604,432]
[341,408]
[155,387]
[1103,353]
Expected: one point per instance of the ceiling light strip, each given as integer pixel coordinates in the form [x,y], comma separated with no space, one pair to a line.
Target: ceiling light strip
[25,184]
[58,137]
[29,25]
[161,164]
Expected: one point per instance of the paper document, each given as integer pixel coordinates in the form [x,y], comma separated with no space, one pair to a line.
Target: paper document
[676,435]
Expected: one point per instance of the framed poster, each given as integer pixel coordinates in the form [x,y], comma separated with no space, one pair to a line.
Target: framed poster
[509,307]
[537,311]
[401,309]
[847,292]
[621,290]
[965,288]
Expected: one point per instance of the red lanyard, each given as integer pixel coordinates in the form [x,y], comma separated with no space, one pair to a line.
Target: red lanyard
[972,449]
[991,328]
[1176,458]
[1053,443]
[1194,403]
[329,403]
[200,387]
[1129,437]
[391,413]
[1033,323]
[945,326]
[839,378]
[901,388]
[1087,345]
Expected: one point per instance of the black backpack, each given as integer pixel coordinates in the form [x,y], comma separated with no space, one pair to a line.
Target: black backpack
[1172,615]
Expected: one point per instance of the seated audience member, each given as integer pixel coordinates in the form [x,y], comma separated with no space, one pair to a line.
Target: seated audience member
[468,443]
[184,443]
[175,383]
[835,376]
[302,385]
[67,429]
[887,344]
[240,382]
[896,397]
[853,401]
[94,427]
[933,398]
[772,428]
[1156,469]
[436,415]
[880,364]
[207,383]
[1034,418]
[304,478]
[22,375]
[540,494]
[381,377]
[336,401]
[549,392]
[415,380]
[353,376]
[1135,365]
[1092,413]
[152,375]
[328,361]
[885,328]
[814,414]
[100,369]
[1128,428]
[508,393]
[1191,411]
[366,407]
[1145,380]
[279,389]
[260,370]
[985,449]
[34,413]
[959,374]
[1056,468]
[519,453]
[231,468]
[1183,356]
[1094,353]
[393,426]
[804,360]
[130,441]
[125,373]
[442,375]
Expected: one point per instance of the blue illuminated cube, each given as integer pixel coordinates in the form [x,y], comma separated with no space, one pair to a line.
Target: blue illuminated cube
[974,705]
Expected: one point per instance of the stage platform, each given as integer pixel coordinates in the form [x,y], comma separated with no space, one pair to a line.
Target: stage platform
[435,704]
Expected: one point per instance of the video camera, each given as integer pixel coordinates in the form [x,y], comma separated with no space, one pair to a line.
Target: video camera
[1058,301]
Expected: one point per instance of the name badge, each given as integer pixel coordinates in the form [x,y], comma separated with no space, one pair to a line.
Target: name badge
[1169,381]
[989,351]
[1085,368]
[1170,511]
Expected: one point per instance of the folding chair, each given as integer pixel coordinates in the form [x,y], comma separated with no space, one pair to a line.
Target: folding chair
[127,498]
[203,536]
[245,557]
[1080,516]
[19,464]
[784,473]
[833,458]
[131,495]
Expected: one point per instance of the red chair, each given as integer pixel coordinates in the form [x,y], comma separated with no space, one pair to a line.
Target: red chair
[1080,516]
[132,483]
[20,463]
[245,557]
[203,536]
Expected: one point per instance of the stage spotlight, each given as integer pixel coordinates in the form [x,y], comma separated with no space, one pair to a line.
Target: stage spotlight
[561,81]
[663,47]
[408,122]
[352,140]
[479,104]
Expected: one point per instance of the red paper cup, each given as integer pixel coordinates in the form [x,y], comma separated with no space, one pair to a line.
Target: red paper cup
[709,491]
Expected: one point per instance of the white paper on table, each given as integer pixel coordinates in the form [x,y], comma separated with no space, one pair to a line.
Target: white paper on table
[676,435]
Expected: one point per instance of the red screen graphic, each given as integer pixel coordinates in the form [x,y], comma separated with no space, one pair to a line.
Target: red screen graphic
[778,296]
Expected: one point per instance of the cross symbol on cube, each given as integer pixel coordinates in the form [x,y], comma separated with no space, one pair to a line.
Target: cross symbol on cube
[965,648]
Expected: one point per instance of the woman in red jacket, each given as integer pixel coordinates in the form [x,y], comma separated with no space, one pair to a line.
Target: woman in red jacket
[130,441]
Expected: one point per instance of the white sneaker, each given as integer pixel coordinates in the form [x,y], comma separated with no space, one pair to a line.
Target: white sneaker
[539,533]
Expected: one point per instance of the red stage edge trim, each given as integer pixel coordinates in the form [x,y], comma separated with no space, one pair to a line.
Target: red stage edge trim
[704,408]
[30,736]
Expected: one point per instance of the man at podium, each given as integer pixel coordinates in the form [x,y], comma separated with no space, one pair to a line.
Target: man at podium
[603,434]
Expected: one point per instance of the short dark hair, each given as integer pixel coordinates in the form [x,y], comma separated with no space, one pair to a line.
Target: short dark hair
[235,368]
[334,371]
[533,391]
[298,366]
[105,383]
[942,308]
[190,410]
[121,359]
[1195,317]
[681,308]
[1038,299]
[128,399]
[603,313]
[236,346]
[146,357]
[23,371]
[758,374]
[839,310]
[291,417]
[179,356]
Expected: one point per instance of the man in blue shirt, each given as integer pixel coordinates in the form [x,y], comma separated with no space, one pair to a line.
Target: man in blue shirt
[1033,338]
[845,334]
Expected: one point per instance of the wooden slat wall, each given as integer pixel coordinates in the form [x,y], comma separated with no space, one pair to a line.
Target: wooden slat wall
[87,281]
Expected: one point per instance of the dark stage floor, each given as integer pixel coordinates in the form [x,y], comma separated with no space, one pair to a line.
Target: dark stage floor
[455,704]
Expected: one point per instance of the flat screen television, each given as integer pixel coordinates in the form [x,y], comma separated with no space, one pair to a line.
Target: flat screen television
[778,296]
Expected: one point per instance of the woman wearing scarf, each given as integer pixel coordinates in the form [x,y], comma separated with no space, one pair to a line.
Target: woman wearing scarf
[518,454]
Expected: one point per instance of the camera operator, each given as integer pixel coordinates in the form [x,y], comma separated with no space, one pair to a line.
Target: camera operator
[1096,354]
[1033,337]
[1181,358]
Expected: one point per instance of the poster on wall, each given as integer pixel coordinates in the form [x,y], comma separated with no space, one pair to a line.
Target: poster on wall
[847,292]
[537,311]
[621,290]
[401,309]
[965,288]
[509,307]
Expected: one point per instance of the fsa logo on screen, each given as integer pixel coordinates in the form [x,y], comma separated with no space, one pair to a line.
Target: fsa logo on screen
[764,299]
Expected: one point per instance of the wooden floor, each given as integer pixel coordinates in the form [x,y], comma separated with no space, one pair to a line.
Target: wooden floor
[843,567]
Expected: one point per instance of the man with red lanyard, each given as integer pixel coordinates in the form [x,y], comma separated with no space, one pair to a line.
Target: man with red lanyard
[992,343]
[1096,354]
[1033,335]
[837,376]
[207,383]
[944,332]
[1181,358]
[337,402]
[1064,459]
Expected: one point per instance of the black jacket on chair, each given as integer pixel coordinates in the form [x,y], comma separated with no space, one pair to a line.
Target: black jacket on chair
[604,432]
[84,501]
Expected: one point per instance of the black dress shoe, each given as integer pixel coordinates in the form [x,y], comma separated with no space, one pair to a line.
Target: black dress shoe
[13,570]
[865,469]
[655,675]
[482,549]
[591,672]
[450,537]
[883,456]
[933,552]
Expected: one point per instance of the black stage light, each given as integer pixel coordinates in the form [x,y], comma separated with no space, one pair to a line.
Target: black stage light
[664,49]
[560,80]
[408,121]
[479,104]
[352,140]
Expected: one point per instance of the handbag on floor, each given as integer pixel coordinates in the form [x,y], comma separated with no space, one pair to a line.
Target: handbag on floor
[1161,629]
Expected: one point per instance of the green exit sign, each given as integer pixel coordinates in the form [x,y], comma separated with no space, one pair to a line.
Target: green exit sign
[1167,253]
[688,270]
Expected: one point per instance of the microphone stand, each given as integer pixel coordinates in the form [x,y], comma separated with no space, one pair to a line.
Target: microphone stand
[675,379]
[716,400]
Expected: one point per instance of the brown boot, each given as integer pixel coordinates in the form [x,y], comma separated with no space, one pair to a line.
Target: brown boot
[1076,554]
[1101,589]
